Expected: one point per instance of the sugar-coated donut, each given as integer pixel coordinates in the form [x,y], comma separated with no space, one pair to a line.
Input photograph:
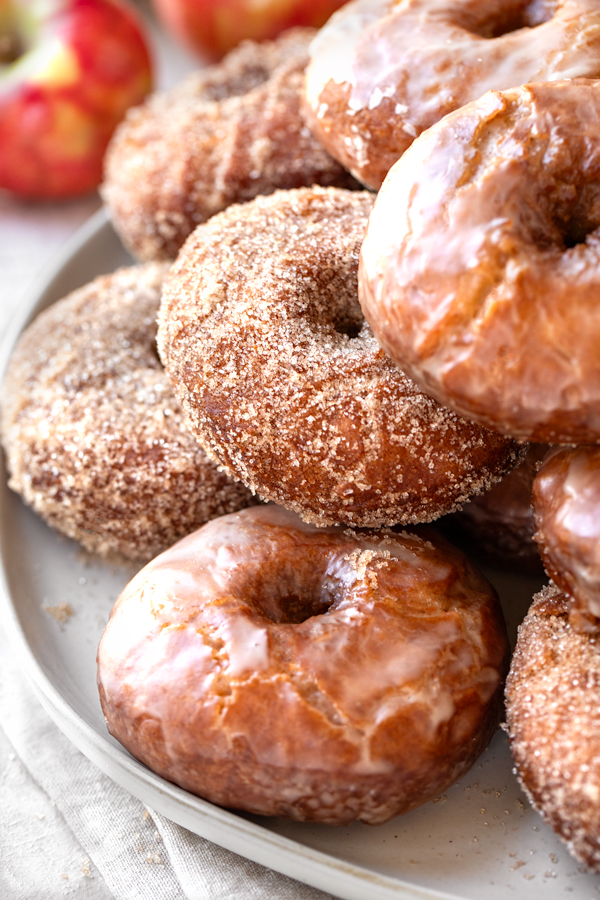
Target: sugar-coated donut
[95,440]
[498,525]
[566,503]
[262,335]
[276,667]
[226,134]
[553,719]
[479,271]
[382,72]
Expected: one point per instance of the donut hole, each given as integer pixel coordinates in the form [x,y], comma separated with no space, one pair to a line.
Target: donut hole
[350,328]
[576,231]
[561,213]
[288,590]
[332,296]
[235,83]
[292,607]
[577,220]
[570,214]
[511,17]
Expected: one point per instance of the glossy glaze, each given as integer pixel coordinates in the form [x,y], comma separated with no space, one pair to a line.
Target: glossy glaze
[270,665]
[566,496]
[498,525]
[382,72]
[479,271]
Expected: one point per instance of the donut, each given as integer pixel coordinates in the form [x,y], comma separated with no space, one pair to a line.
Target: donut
[553,721]
[95,440]
[480,263]
[263,338]
[272,666]
[225,134]
[382,72]
[498,525]
[566,504]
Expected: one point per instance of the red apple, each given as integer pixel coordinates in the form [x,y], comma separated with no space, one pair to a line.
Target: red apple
[212,27]
[69,69]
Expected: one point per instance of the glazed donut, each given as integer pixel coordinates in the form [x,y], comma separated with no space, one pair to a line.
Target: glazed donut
[94,438]
[226,134]
[480,263]
[498,525]
[381,72]
[553,720]
[566,503]
[262,335]
[283,669]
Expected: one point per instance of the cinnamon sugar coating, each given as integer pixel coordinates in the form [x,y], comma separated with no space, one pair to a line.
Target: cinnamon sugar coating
[224,135]
[566,498]
[480,269]
[553,719]
[95,440]
[498,525]
[284,669]
[382,72]
[283,383]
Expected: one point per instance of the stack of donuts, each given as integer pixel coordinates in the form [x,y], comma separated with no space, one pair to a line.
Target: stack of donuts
[365,258]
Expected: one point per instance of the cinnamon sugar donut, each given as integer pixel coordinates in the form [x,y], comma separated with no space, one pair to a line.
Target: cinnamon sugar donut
[226,134]
[479,271]
[553,718]
[566,498]
[382,72]
[262,335]
[283,669]
[94,438]
[498,525]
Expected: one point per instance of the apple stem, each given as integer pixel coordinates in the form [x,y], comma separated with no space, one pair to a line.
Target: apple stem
[10,47]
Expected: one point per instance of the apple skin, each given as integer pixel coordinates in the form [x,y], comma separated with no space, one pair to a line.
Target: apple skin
[213,27]
[84,63]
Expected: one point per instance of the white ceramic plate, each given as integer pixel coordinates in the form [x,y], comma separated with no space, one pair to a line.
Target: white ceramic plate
[480,840]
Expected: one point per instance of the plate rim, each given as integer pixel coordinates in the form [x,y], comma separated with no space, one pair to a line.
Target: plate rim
[34,299]
[329,873]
